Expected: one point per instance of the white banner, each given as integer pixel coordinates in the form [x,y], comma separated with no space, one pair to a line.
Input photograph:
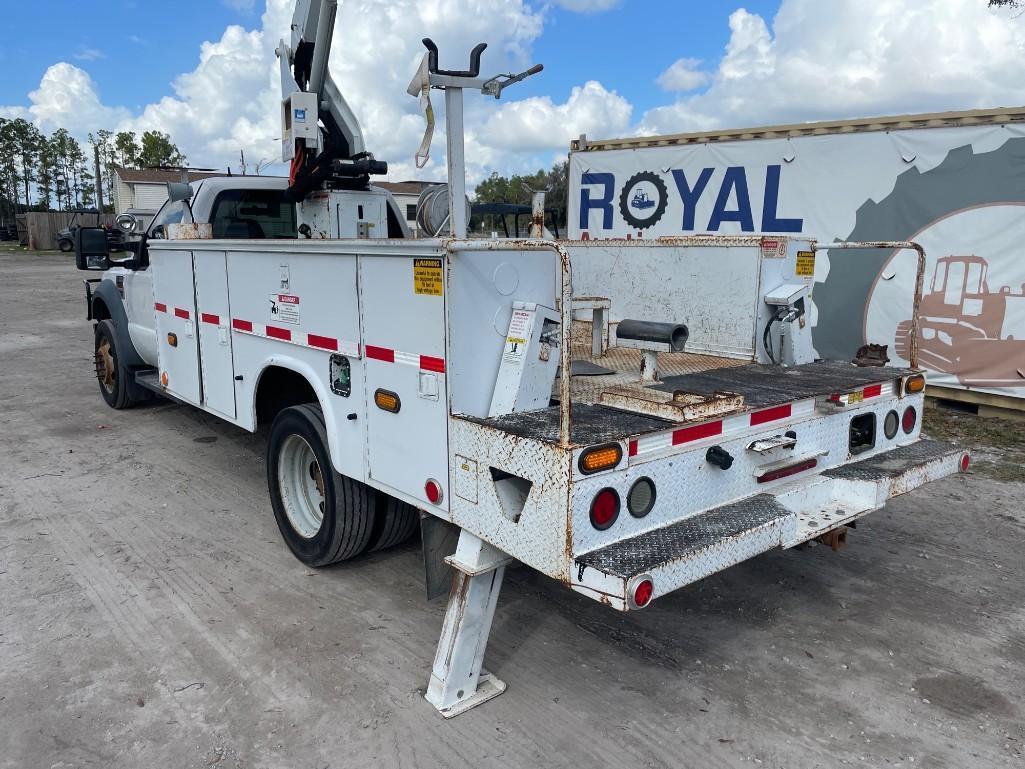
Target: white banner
[960,192]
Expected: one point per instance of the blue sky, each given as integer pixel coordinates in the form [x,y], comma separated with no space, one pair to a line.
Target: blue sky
[133,50]
[204,70]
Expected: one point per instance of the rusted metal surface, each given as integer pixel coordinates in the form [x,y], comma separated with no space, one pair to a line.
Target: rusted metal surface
[678,406]
[764,385]
[897,245]
[871,355]
[834,539]
[565,308]
[190,231]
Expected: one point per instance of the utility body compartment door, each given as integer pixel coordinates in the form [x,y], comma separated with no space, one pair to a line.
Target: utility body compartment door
[214,327]
[174,303]
[403,307]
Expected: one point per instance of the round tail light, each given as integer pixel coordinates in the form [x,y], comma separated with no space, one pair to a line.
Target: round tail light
[909,419]
[890,425]
[641,497]
[604,509]
[640,591]
[433,491]
[965,462]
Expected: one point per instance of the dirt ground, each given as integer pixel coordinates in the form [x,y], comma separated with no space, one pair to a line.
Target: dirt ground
[150,615]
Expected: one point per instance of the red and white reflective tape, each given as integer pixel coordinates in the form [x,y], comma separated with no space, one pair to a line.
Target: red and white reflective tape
[860,396]
[178,312]
[388,355]
[730,427]
[301,338]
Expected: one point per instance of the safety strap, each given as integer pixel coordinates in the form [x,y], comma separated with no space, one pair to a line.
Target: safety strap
[420,86]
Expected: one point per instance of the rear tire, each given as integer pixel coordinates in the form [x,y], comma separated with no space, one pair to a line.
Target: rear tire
[323,517]
[396,522]
[65,245]
[111,374]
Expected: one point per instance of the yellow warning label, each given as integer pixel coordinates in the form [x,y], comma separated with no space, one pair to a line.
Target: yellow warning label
[805,264]
[427,277]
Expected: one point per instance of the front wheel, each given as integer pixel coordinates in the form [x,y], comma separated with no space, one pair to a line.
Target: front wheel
[65,245]
[110,373]
[323,517]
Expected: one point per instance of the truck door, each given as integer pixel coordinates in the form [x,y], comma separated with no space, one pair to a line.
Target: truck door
[213,321]
[174,302]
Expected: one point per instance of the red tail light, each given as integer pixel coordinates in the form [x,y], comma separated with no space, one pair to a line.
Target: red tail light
[604,509]
[965,462]
[909,420]
[639,591]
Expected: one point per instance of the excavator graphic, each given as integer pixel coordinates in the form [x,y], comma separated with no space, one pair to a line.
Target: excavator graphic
[967,330]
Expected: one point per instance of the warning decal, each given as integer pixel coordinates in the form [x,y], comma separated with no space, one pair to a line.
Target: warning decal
[805,264]
[427,277]
[284,308]
[519,332]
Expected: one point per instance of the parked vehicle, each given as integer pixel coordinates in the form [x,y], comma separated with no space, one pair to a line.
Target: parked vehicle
[449,376]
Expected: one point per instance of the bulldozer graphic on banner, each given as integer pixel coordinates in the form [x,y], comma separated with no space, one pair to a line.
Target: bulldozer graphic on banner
[967,330]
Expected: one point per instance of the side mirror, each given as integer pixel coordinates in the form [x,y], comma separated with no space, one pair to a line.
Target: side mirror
[91,249]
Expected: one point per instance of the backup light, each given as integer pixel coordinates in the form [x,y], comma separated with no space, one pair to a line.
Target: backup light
[641,497]
[890,425]
[598,458]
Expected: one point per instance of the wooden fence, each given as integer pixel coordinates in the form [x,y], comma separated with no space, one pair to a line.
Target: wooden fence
[38,230]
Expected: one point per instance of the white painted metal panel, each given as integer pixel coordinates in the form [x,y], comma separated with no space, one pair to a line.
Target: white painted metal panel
[483,285]
[320,318]
[404,348]
[175,306]
[214,327]
[714,290]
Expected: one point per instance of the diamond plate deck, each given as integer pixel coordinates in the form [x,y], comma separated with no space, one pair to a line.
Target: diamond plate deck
[894,463]
[686,539]
[763,385]
[588,424]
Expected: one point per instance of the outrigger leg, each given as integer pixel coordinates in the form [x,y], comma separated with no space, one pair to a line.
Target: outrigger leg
[457,681]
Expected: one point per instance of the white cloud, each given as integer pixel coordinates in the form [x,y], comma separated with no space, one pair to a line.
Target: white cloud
[855,59]
[67,97]
[538,123]
[90,54]
[243,6]
[682,75]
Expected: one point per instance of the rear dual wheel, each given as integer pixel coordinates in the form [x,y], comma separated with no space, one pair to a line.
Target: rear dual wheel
[325,517]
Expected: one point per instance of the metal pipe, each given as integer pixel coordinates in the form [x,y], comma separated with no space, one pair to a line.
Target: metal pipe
[456,162]
[565,309]
[896,245]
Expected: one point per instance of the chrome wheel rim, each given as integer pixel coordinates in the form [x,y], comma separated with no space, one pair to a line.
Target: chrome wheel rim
[301,485]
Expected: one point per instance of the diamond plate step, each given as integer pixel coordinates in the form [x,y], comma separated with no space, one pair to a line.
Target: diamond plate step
[700,545]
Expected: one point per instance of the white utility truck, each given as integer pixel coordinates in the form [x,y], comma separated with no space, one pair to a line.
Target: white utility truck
[626,443]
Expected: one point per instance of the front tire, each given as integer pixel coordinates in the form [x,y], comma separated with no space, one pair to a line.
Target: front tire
[110,372]
[323,517]
[65,245]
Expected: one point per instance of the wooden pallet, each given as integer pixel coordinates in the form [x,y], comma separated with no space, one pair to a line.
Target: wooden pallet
[983,404]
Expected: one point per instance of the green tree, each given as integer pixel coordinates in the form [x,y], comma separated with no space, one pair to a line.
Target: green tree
[44,177]
[25,141]
[159,150]
[514,189]
[126,149]
[1006,3]
[8,165]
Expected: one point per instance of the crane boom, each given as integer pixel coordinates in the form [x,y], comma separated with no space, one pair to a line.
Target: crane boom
[321,136]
